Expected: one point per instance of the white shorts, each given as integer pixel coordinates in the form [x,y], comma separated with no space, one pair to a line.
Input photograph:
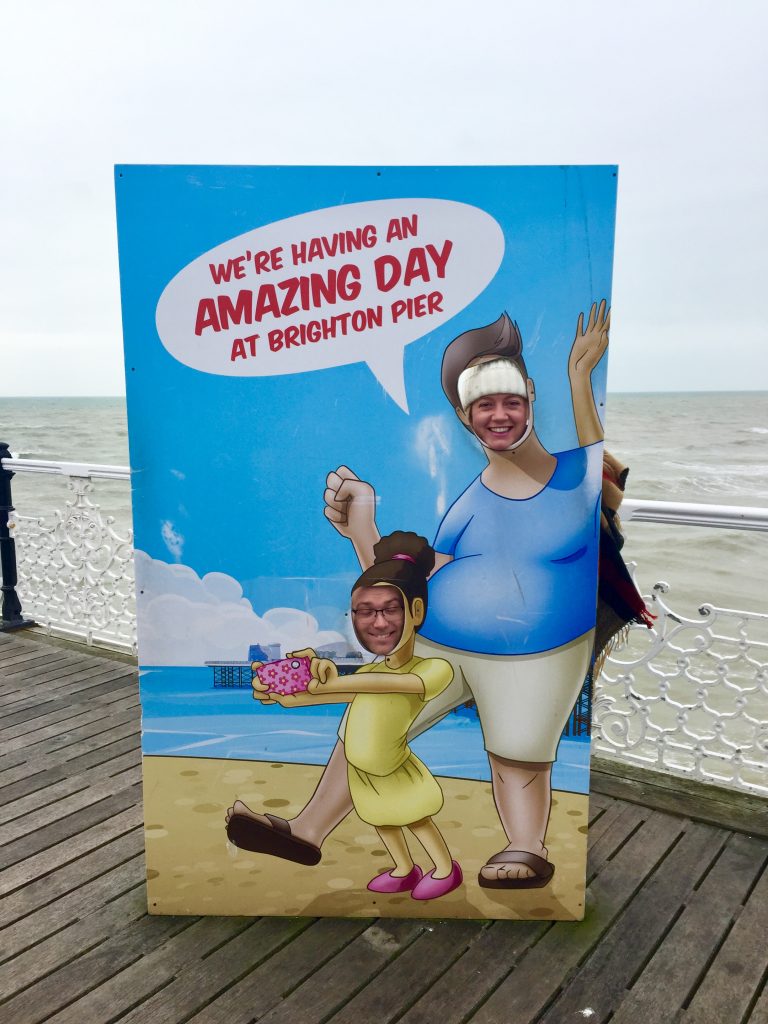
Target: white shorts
[523,700]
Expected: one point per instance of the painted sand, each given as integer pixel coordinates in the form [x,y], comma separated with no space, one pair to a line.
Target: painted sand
[193,869]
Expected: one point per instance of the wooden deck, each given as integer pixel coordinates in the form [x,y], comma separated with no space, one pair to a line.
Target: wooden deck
[676,925]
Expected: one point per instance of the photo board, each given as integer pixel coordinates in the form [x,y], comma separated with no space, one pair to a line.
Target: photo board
[365,411]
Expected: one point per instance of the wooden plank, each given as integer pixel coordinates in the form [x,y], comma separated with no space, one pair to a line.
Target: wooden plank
[95,713]
[344,974]
[453,997]
[739,969]
[23,659]
[59,949]
[674,971]
[25,679]
[55,991]
[60,733]
[62,759]
[393,990]
[184,955]
[71,849]
[66,878]
[75,905]
[529,988]
[197,986]
[75,675]
[41,820]
[74,684]
[264,987]
[602,980]
[702,801]
[72,784]
[43,711]
[624,822]
[489,959]
[64,829]
[101,749]
[759,1014]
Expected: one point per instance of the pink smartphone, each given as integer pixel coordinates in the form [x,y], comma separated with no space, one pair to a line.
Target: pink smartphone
[289,675]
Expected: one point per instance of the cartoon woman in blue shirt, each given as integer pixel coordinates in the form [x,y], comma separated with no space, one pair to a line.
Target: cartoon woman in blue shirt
[512,595]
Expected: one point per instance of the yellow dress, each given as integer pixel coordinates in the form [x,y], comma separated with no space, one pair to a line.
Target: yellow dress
[388,783]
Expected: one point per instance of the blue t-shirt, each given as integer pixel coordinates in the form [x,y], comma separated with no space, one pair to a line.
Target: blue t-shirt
[524,573]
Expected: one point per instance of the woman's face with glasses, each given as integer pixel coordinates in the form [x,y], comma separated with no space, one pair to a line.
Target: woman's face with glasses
[378,616]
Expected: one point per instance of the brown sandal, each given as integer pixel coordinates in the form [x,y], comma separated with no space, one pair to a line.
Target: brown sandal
[275,839]
[544,871]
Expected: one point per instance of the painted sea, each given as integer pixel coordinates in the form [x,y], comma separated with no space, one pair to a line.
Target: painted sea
[698,447]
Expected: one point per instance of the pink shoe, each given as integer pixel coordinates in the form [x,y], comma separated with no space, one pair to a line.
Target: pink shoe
[387,882]
[429,888]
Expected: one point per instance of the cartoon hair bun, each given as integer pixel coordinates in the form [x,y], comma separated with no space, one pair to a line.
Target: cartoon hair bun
[408,548]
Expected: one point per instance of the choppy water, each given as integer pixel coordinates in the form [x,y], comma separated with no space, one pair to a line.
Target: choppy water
[703,447]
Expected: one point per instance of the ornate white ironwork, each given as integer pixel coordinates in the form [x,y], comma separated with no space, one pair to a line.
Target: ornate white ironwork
[689,696]
[76,571]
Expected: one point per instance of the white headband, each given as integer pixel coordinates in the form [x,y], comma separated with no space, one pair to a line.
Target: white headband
[496,377]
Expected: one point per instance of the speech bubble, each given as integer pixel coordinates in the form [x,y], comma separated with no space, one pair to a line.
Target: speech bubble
[347,284]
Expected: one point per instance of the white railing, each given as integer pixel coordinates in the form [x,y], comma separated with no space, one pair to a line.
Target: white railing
[75,569]
[689,696]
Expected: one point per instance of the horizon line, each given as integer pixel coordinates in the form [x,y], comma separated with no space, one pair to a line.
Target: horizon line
[670,391]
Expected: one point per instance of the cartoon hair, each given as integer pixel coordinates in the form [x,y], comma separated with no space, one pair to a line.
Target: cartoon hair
[501,339]
[402,560]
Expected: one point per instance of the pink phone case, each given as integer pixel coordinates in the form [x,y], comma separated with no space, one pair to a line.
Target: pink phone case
[289,675]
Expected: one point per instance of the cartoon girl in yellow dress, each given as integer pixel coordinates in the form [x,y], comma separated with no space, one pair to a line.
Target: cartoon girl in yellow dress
[390,787]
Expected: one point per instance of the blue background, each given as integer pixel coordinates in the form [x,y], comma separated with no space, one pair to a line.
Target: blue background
[251,454]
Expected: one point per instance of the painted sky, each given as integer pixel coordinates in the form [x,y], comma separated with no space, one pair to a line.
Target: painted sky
[673,93]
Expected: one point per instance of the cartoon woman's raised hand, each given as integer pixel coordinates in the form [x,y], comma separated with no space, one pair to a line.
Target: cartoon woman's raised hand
[350,506]
[590,343]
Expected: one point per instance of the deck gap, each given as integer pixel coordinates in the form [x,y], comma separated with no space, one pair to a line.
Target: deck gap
[89,807]
[655,948]
[76,712]
[79,739]
[757,879]
[753,1001]
[125,1010]
[68,892]
[85,786]
[630,835]
[470,942]
[425,926]
[248,921]
[53,970]
[320,964]
[29,778]
[600,812]
[119,895]
[686,1002]
[123,771]
[72,860]
[707,870]
[249,970]
[515,963]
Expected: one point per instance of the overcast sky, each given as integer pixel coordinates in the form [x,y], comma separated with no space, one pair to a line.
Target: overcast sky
[674,92]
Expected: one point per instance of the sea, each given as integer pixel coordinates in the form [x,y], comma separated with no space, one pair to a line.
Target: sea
[693,446]
[705,447]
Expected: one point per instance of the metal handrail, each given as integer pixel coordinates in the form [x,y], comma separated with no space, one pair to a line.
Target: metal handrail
[684,513]
[81,469]
[680,513]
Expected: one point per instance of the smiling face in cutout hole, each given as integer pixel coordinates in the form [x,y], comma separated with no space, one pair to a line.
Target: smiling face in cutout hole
[499,421]
[378,615]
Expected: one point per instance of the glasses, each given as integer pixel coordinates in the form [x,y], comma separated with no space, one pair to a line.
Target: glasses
[365,613]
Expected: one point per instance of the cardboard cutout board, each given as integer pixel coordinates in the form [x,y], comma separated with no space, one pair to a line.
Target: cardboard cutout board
[365,412]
